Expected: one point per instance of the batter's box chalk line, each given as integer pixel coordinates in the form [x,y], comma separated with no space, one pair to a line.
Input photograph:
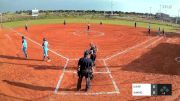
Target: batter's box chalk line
[116,91]
[64,69]
[75,72]
[67,60]
[86,93]
[76,59]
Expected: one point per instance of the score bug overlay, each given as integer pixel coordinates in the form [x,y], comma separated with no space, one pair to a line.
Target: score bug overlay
[151,89]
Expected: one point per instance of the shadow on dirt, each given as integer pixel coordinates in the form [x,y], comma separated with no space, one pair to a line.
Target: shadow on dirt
[38,67]
[36,87]
[159,60]
[17,58]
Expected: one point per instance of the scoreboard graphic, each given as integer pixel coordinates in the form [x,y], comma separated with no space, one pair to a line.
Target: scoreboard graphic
[151,89]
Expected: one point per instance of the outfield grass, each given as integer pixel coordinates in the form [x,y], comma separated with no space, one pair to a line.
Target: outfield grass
[83,20]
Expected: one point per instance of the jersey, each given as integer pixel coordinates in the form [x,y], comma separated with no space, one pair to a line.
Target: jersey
[45,45]
[24,43]
[93,50]
[85,63]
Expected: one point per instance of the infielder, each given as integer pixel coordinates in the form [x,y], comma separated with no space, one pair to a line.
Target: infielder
[88,27]
[149,29]
[135,24]
[26,27]
[45,50]
[24,46]
[159,31]
[64,22]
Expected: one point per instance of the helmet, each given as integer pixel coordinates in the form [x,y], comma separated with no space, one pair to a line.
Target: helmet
[44,39]
[86,53]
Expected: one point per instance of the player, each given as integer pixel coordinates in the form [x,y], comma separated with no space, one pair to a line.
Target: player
[92,52]
[159,31]
[149,29]
[88,27]
[84,70]
[24,47]
[26,27]
[100,23]
[135,24]
[64,22]
[45,50]
[163,32]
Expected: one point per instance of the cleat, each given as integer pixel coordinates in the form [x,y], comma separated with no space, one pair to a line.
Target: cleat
[49,60]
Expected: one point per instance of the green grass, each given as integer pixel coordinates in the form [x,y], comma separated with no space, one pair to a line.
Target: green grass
[83,20]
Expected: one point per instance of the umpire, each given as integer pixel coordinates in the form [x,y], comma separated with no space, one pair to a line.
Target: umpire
[84,69]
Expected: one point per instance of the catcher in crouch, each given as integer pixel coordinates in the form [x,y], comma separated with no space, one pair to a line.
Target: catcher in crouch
[92,52]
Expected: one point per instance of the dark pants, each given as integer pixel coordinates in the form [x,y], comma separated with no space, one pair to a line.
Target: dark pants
[149,31]
[87,76]
[93,58]
[26,28]
[88,28]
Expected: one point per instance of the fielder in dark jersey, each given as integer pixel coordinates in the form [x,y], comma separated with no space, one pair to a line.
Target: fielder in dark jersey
[163,32]
[88,27]
[64,22]
[135,24]
[26,27]
[84,69]
[149,29]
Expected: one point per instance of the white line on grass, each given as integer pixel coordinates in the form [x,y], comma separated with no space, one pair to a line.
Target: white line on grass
[110,75]
[61,78]
[128,49]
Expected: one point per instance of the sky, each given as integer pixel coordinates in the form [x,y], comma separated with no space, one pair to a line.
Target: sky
[141,6]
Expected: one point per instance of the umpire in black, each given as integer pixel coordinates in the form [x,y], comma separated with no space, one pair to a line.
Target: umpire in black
[85,65]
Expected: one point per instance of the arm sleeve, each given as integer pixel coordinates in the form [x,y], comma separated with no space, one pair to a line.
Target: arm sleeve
[79,62]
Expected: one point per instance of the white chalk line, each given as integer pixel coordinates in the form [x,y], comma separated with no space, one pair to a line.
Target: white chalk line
[128,49]
[153,42]
[110,75]
[61,78]
[75,72]
[107,68]
[37,43]
[84,93]
[64,69]
[108,71]
[75,59]
[62,75]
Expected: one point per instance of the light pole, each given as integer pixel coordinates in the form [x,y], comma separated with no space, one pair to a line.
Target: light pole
[177,17]
[150,11]
[111,7]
